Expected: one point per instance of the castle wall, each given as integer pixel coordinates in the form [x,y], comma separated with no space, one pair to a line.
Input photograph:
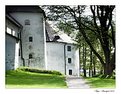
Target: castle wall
[34,46]
[55,57]
[58,55]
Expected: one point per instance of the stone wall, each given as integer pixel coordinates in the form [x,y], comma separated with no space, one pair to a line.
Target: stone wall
[57,58]
[36,30]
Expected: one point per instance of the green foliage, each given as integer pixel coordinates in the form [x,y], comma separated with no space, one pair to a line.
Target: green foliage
[23,79]
[66,27]
[39,71]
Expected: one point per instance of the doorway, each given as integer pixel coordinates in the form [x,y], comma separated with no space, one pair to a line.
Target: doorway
[70,72]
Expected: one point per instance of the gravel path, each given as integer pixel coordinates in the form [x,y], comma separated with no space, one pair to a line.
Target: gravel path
[76,82]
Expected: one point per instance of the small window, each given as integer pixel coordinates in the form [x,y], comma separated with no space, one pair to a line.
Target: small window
[69,48]
[30,39]
[8,30]
[69,60]
[30,56]
[27,22]
[70,72]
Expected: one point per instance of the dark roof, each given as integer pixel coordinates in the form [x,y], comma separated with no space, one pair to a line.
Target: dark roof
[13,20]
[24,8]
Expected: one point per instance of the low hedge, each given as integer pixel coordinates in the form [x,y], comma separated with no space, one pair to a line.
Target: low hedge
[39,71]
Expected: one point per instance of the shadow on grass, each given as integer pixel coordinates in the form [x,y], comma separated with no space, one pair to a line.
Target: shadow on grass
[101,83]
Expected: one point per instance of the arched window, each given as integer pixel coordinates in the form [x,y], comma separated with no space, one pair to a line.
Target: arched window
[27,22]
[30,56]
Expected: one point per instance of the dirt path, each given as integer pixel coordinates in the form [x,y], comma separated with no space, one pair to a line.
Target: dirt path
[76,82]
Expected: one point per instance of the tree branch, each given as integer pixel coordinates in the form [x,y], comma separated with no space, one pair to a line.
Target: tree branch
[88,41]
[94,17]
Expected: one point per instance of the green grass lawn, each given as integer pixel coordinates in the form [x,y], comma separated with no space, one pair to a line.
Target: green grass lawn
[22,79]
[96,82]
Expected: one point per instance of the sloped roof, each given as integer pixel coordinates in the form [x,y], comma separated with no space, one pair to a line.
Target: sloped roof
[53,36]
[13,20]
[64,38]
[24,8]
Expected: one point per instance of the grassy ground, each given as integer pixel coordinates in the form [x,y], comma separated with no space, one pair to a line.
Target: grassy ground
[21,79]
[101,83]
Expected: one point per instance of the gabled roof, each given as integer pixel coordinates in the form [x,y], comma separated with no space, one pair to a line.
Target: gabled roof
[24,8]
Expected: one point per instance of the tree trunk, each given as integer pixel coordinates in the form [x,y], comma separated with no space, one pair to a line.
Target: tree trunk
[84,59]
[108,65]
[90,67]
[94,67]
[94,70]
[89,72]
[108,70]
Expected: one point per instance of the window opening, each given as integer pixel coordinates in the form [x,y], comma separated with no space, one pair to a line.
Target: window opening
[27,22]
[69,48]
[70,72]
[30,56]
[69,60]
[30,39]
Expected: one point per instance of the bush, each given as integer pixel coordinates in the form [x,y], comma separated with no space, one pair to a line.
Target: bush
[39,71]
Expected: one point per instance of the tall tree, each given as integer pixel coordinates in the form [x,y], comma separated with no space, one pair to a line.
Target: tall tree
[90,66]
[100,25]
[84,59]
[103,14]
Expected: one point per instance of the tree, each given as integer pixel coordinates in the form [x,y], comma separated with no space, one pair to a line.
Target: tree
[90,66]
[104,15]
[84,59]
[99,25]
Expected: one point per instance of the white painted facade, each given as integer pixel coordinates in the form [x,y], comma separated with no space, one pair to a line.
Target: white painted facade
[74,56]
[36,52]
[35,30]
[57,58]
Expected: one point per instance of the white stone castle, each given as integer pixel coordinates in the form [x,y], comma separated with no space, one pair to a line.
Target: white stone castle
[31,42]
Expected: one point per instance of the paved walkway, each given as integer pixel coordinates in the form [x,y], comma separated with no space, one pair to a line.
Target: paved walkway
[76,82]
